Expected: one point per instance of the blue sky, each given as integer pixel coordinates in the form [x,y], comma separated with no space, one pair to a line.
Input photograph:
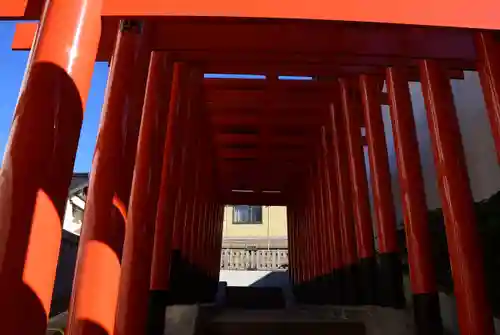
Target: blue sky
[12,65]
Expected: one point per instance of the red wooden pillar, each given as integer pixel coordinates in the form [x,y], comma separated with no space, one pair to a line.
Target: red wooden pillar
[312,247]
[38,160]
[390,270]
[333,232]
[423,279]
[474,313]
[292,265]
[299,249]
[162,247]
[218,245]
[322,222]
[177,264]
[95,288]
[139,232]
[316,233]
[321,231]
[296,249]
[212,243]
[359,187]
[341,178]
[488,66]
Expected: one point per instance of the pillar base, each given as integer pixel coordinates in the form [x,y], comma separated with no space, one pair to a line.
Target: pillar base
[368,281]
[189,283]
[391,292]
[158,302]
[349,281]
[335,287]
[427,314]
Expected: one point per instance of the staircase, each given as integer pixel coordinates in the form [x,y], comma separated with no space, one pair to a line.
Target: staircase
[263,311]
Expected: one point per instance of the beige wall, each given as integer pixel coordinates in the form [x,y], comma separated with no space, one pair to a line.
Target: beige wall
[273,224]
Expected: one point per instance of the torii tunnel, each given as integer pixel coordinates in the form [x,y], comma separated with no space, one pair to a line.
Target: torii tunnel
[174,147]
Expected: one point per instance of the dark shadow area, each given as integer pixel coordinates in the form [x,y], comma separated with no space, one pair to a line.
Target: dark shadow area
[189,283]
[487,215]
[285,328]
[65,273]
[255,297]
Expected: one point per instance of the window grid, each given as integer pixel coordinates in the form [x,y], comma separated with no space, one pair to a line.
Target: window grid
[247,214]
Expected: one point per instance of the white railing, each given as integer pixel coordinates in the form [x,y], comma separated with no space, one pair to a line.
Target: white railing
[244,259]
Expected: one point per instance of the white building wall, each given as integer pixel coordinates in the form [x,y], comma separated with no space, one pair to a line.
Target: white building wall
[484,171]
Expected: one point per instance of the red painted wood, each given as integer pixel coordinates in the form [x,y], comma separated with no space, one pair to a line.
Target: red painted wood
[488,50]
[380,175]
[38,162]
[137,255]
[342,180]
[357,172]
[422,274]
[466,13]
[162,248]
[95,288]
[474,312]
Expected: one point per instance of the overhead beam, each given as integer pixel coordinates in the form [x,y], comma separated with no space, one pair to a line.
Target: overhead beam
[479,14]
[253,139]
[253,199]
[289,40]
[256,121]
[331,66]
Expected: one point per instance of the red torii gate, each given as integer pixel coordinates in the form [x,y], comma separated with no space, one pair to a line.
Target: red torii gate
[190,160]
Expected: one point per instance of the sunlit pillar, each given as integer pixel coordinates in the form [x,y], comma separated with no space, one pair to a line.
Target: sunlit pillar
[97,275]
[139,233]
[426,307]
[341,180]
[390,270]
[38,161]
[474,312]
[488,66]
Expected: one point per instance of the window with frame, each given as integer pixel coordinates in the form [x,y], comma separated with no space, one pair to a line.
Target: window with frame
[247,214]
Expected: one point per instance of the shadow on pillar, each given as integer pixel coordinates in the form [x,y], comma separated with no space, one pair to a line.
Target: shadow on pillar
[52,136]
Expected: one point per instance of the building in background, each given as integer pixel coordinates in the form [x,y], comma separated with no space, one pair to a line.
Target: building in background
[254,227]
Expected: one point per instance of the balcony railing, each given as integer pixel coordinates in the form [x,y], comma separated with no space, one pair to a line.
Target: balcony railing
[253,260]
